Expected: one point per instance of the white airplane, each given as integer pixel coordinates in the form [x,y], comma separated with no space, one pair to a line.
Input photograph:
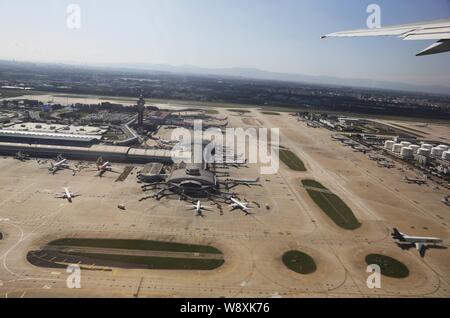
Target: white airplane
[66,195]
[418,241]
[102,167]
[415,180]
[231,183]
[168,142]
[432,30]
[59,165]
[239,205]
[198,207]
[446,200]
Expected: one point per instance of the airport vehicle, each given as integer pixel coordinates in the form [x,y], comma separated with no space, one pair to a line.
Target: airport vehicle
[432,30]
[420,242]
[198,207]
[236,204]
[67,194]
[21,156]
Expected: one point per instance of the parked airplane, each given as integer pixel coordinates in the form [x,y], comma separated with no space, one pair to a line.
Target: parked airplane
[60,164]
[239,205]
[102,167]
[418,241]
[234,162]
[168,142]
[231,183]
[198,207]
[415,180]
[446,200]
[66,195]
[21,156]
[433,30]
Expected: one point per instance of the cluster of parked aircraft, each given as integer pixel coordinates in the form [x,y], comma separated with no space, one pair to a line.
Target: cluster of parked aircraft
[404,241]
[235,204]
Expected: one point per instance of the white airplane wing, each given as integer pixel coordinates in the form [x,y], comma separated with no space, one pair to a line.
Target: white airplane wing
[433,30]
[60,195]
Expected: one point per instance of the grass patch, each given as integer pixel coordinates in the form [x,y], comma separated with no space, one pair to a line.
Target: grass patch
[389,266]
[148,262]
[270,113]
[291,160]
[239,111]
[136,245]
[126,254]
[211,111]
[332,205]
[299,262]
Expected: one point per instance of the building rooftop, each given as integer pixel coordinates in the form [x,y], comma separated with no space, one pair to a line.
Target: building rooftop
[57,129]
[193,173]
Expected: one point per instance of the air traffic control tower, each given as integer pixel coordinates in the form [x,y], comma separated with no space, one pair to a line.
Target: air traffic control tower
[140,109]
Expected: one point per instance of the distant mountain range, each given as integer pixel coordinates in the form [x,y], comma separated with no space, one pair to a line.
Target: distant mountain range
[248,73]
[253,73]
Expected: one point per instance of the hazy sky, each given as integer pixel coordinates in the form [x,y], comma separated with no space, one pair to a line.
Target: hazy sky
[274,35]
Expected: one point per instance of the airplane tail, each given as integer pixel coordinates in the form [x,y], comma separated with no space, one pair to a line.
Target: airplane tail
[396,234]
[99,162]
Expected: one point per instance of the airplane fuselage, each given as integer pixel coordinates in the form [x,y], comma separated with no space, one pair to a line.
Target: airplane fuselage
[68,194]
[420,239]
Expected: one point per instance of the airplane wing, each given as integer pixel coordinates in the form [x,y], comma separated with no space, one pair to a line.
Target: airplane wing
[433,30]
[101,173]
[60,195]
[421,248]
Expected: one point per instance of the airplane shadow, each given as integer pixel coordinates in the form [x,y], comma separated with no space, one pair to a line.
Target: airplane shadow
[407,246]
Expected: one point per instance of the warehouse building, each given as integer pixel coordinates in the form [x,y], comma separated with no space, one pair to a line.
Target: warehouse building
[51,134]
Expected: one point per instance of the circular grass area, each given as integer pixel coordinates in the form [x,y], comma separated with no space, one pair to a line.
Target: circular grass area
[389,266]
[299,262]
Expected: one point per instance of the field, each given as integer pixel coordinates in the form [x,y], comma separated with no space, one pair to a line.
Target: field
[292,160]
[299,262]
[136,252]
[137,244]
[270,113]
[126,254]
[332,205]
[389,266]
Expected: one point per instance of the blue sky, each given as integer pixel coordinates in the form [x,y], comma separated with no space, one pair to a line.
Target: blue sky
[274,35]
